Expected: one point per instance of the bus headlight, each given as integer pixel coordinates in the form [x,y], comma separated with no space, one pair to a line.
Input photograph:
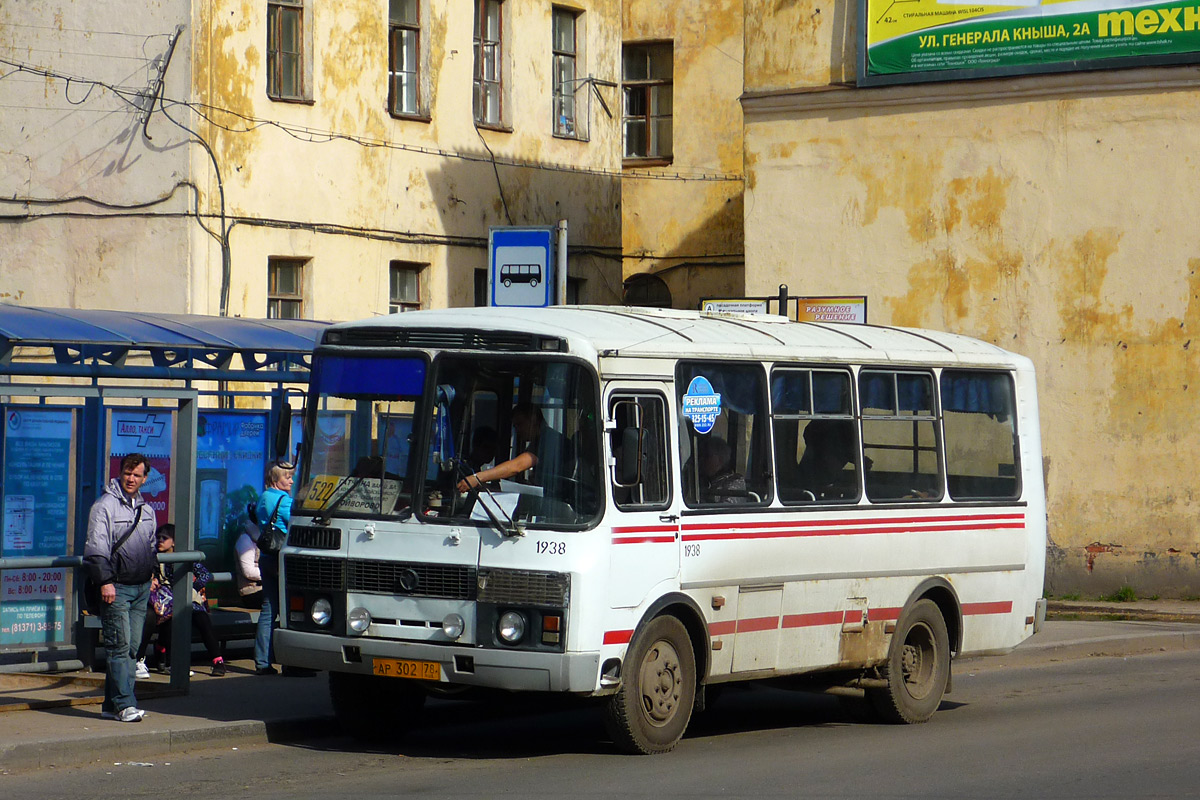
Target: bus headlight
[359,619]
[321,612]
[453,625]
[511,627]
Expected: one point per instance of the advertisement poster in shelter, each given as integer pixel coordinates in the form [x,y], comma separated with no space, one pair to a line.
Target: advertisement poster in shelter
[37,513]
[149,432]
[231,456]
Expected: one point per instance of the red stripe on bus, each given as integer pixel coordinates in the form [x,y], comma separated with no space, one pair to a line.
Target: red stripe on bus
[722,628]
[757,624]
[734,535]
[877,614]
[971,609]
[644,529]
[859,521]
[645,539]
[618,637]
[812,620]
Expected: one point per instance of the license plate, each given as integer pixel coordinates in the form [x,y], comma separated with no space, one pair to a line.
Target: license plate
[403,668]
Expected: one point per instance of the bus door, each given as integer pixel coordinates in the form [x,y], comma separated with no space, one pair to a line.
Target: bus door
[643,514]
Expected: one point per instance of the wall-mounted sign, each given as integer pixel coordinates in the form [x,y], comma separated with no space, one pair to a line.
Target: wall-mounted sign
[831,309]
[920,40]
[739,306]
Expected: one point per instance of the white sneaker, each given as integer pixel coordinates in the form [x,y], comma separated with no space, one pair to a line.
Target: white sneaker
[130,714]
[142,672]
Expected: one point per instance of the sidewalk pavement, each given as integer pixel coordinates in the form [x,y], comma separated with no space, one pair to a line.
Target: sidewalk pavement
[54,720]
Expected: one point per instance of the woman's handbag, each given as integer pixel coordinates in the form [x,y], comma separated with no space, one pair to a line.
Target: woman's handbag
[272,538]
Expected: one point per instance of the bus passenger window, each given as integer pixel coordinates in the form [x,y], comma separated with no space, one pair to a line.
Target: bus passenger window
[639,452]
[723,432]
[816,439]
[899,430]
[981,438]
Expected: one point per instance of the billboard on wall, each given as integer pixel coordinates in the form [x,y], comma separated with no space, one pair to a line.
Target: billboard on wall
[918,40]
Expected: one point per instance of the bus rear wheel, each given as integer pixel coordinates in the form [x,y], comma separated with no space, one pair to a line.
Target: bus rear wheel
[918,667]
[651,710]
[374,708]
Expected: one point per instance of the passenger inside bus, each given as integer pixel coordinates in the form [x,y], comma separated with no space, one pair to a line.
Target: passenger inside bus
[829,446]
[719,482]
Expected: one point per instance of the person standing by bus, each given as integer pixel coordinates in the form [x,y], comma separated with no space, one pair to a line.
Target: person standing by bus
[274,506]
[121,553]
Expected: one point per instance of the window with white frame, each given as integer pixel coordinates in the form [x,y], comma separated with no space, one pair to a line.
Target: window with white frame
[489,62]
[285,288]
[647,83]
[404,293]
[404,57]
[564,24]
[285,49]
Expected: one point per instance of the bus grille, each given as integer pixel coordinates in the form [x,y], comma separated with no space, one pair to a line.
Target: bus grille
[525,587]
[315,538]
[446,581]
[306,572]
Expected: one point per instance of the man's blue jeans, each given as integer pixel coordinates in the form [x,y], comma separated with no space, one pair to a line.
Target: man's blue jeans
[122,621]
[264,650]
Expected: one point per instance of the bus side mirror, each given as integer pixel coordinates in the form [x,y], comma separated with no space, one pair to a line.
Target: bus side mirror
[629,457]
[283,430]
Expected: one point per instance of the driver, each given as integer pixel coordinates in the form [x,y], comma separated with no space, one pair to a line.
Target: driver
[542,451]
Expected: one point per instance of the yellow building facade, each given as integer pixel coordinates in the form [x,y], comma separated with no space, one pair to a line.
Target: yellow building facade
[1045,213]
[293,158]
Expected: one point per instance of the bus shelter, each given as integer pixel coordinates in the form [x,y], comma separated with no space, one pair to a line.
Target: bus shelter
[200,396]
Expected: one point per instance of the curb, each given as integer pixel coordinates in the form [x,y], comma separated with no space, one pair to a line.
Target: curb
[1114,646]
[142,745]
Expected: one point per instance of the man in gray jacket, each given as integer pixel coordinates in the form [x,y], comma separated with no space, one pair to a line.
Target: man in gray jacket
[122,554]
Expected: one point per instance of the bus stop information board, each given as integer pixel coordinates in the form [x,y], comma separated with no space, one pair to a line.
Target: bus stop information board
[520,272]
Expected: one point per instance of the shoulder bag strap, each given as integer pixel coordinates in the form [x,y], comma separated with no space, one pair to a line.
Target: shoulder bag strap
[136,521]
[275,513]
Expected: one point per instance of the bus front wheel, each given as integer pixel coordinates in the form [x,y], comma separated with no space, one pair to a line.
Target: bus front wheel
[918,667]
[650,711]
[374,708]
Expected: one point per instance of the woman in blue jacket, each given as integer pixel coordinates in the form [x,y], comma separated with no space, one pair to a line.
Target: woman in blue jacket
[274,506]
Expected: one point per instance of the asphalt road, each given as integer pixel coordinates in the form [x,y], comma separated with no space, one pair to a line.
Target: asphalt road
[1090,728]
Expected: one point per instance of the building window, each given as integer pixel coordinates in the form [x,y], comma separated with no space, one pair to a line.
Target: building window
[405,283]
[285,288]
[404,57]
[647,75]
[489,65]
[285,49]
[564,25]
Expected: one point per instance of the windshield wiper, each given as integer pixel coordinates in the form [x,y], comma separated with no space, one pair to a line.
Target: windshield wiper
[508,527]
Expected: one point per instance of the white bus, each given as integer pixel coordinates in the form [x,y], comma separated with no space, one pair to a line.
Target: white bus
[710,498]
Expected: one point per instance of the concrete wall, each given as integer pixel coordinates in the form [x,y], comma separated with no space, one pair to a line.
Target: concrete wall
[1045,214]
[92,213]
[683,222]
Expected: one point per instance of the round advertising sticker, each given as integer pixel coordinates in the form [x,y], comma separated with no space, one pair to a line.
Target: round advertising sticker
[701,404]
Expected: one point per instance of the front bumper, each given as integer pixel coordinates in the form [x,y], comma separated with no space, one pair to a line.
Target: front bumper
[514,670]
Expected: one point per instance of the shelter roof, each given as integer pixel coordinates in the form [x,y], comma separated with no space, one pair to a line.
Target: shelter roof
[98,343]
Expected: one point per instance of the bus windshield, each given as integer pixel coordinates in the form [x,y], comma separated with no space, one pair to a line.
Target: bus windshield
[359,435]
[527,428]
[385,441]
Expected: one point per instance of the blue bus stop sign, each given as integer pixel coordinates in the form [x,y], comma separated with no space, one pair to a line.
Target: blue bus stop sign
[520,267]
